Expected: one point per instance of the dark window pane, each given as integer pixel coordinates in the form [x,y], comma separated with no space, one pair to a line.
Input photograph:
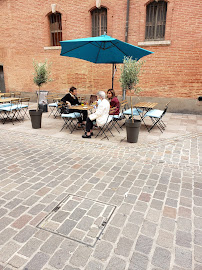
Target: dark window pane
[99,21]
[155,20]
[55,29]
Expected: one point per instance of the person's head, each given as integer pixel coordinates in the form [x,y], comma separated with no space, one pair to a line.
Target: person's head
[110,93]
[101,95]
[73,90]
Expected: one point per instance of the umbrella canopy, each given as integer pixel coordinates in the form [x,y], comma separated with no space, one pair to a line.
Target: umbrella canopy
[101,50]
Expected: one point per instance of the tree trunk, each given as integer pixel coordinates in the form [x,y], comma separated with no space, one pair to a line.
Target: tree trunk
[131,105]
[38,99]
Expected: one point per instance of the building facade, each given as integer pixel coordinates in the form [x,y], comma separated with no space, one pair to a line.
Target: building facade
[171,29]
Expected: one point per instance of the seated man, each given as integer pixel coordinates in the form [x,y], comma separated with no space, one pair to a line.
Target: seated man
[71,99]
[101,114]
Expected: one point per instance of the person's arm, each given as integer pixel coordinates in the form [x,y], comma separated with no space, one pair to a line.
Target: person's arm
[64,99]
[77,101]
[115,103]
[67,99]
[98,112]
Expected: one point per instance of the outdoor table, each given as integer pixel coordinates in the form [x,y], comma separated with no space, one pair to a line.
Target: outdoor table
[145,106]
[5,100]
[81,108]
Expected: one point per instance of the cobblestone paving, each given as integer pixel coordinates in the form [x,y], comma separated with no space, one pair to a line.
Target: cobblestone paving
[156,188]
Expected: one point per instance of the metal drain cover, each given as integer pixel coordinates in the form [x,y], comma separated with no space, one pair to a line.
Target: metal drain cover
[79,219]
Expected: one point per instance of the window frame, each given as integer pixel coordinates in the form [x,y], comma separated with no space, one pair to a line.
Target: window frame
[155,28]
[55,31]
[99,21]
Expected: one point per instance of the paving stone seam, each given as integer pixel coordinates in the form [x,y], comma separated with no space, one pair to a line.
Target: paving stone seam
[147,147]
[135,147]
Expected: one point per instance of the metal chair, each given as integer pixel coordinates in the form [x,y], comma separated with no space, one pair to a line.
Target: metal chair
[69,119]
[107,126]
[156,117]
[10,111]
[23,107]
[118,117]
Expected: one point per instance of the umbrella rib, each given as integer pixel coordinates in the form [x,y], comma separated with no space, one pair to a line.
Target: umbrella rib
[118,48]
[98,54]
[96,44]
[76,48]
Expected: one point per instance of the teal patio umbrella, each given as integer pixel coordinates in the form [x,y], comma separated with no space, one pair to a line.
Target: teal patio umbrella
[101,50]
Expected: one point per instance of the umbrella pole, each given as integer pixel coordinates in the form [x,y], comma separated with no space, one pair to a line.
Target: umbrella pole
[113,76]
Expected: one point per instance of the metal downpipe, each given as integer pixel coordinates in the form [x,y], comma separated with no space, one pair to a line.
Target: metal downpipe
[126,36]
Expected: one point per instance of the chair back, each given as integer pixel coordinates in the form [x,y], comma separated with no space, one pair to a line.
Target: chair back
[82,99]
[25,100]
[165,109]
[52,97]
[112,110]
[93,98]
[167,104]
[17,94]
[123,105]
[15,103]
[7,95]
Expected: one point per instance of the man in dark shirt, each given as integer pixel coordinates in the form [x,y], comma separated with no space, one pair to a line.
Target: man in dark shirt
[71,99]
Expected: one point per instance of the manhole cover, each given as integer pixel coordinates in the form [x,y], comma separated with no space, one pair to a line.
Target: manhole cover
[79,219]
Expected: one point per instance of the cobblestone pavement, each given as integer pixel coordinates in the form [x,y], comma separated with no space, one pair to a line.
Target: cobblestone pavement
[156,189]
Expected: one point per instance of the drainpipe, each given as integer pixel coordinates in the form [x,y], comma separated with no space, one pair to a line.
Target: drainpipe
[127,21]
[126,35]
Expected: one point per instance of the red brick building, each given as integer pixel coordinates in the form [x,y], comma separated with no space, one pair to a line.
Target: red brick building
[171,29]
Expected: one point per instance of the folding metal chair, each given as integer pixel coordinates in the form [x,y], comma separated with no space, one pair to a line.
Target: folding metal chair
[116,118]
[106,127]
[10,111]
[156,117]
[69,119]
[23,107]
[53,105]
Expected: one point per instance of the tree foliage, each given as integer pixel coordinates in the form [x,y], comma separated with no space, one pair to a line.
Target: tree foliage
[130,77]
[130,74]
[42,73]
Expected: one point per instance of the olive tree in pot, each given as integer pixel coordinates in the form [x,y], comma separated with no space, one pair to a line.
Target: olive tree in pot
[41,76]
[129,82]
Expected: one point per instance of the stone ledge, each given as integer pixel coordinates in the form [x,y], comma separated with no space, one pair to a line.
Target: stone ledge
[53,48]
[155,43]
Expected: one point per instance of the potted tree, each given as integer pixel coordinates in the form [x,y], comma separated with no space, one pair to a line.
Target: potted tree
[41,76]
[129,81]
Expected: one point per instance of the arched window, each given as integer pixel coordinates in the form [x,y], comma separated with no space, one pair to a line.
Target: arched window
[156,20]
[55,28]
[99,21]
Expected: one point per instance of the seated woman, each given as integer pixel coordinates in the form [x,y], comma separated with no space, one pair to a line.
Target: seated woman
[101,114]
[71,99]
[114,102]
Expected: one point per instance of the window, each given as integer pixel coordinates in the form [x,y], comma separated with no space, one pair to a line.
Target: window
[99,21]
[55,28]
[156,20]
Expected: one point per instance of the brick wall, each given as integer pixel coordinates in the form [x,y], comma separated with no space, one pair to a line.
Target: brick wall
[172,71]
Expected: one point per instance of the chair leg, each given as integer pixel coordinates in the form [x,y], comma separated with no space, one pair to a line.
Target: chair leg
[115,122]
[156,123]
[103,130]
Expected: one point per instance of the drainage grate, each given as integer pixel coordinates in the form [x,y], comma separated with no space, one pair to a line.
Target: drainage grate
[79,219]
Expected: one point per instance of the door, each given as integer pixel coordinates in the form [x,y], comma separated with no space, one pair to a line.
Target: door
[2,83]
